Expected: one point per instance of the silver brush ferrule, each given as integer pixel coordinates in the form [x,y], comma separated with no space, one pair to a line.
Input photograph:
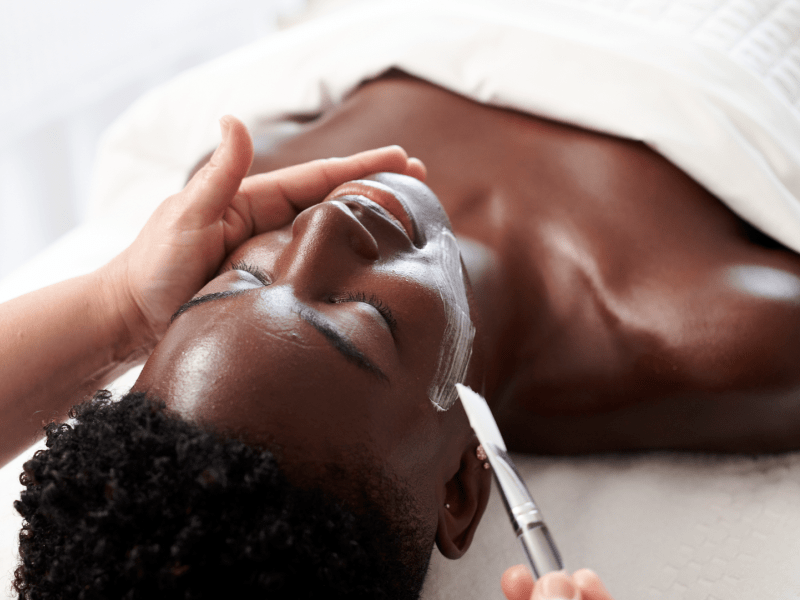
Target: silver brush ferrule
[538,545]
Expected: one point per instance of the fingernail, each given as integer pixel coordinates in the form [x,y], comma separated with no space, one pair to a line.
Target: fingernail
[558,588]
[395,147]
[225,128]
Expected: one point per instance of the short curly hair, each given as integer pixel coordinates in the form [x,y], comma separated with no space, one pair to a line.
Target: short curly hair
[130,501]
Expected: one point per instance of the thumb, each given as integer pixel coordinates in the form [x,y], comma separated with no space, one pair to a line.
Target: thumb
[211,189]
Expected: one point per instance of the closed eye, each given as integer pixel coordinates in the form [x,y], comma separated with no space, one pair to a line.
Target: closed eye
[255,271]
[370,299]
[373,301]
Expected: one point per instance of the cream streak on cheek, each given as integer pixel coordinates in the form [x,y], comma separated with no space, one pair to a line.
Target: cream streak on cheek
[456,347]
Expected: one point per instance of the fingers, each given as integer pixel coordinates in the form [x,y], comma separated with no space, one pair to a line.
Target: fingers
[556,586]
[272,199]
[213,187]
[417,169]
[591,586]
[517,583]
[276,197]
[303,185]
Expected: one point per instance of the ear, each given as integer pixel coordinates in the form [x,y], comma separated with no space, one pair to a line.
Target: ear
[466,496]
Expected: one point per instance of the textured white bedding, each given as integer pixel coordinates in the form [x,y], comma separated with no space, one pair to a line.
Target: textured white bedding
[712,84]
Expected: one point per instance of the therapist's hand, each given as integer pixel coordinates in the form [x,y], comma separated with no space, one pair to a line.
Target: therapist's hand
[518,584]
[187,238]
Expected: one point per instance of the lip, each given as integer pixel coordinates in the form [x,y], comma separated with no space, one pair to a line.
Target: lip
[384,198]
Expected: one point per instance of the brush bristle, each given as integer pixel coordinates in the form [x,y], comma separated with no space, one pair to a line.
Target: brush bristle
[480,417]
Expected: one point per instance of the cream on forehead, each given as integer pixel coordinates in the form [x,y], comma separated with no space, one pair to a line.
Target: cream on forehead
[456,347]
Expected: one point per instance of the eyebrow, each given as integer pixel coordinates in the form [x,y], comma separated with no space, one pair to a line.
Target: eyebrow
[202,300]
[331,333]
[340,342]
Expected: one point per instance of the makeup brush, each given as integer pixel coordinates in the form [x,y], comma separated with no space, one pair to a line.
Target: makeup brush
[537,544]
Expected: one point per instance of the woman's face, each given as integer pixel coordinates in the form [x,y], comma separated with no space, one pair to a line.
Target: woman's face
[334,332]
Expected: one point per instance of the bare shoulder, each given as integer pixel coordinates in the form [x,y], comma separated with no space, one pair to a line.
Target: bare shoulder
[709,362]
[662,320]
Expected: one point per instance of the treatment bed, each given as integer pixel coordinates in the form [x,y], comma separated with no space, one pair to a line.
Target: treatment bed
[713,85]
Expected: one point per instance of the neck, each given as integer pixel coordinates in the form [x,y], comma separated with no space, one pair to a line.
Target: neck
[495,300]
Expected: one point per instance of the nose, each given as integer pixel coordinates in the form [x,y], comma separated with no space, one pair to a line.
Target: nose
[328,245]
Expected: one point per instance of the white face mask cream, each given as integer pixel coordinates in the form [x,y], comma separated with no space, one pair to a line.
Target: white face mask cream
[456,347]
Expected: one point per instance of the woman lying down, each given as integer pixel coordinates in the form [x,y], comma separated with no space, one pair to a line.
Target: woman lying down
[293,431]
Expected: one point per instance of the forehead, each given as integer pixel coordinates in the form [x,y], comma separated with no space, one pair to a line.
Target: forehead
[282,383]
[296,398]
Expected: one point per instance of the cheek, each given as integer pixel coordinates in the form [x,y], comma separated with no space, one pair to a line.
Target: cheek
[459,332]
[263,250]
[415,441]
[417,306]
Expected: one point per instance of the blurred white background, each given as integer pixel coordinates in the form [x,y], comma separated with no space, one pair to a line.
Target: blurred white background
[68,69]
